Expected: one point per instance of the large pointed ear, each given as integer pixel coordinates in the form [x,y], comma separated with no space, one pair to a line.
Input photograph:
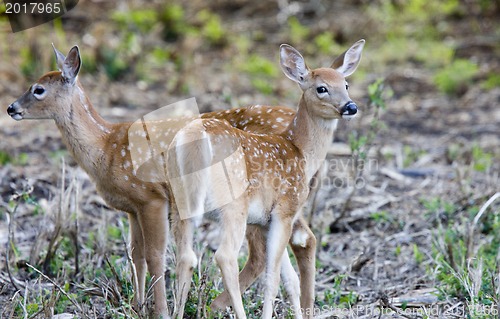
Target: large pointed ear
[59,58]
[348,61]
[293,64]
[69,65]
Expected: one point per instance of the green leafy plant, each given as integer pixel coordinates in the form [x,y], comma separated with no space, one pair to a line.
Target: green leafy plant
[411,155]
[335,295]
[465,252]
[297,31]
[212,29]
[141,20]
[481,160]
[492,81]
[114,64]
[262,72]
[417,254]
[455,76]
[326,43]
[5,158]
[173,20]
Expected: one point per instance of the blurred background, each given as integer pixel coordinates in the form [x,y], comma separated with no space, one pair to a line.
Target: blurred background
[402,217]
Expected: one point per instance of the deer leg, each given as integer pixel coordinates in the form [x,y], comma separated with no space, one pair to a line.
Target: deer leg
[291,283]
[279,233]
[186,262]
[154,223]
[138,259]
[233,228]
[253,267]
[303,244]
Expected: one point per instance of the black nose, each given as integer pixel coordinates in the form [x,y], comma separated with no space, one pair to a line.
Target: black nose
[350,108]
[10,110]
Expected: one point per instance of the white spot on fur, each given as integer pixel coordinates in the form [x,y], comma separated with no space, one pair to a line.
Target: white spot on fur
[299,238]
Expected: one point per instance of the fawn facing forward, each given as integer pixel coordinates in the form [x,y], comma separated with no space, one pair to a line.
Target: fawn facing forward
[274,169]
[101,149]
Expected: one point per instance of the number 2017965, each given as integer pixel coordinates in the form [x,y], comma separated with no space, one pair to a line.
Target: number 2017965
[32,8]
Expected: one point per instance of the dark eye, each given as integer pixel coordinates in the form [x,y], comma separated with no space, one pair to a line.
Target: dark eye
[39,90]
[321,90]
[347,86]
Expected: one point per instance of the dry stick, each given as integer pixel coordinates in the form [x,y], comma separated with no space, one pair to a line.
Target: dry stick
[202,274]
[14,281]
[385,303]
[133,269]
[484,207]
[154,281]
[53,243]
[25,298]
[115,274]
[75,235]
[37,313]
[477,218]
[58,287]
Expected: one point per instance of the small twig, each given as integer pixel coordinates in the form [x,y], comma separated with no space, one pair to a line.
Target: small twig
[472,228]
[483,208]
[25,298]
[57,286]
[75,235]
[135,281]
[154,281]
[385,303]
[10,240]
[115,274]
[37,313]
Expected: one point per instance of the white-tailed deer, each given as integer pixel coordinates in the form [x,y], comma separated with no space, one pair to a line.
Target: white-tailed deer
[102,150]
[273,169]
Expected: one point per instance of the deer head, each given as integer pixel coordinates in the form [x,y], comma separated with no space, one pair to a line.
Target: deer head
[43,99]
[324,89]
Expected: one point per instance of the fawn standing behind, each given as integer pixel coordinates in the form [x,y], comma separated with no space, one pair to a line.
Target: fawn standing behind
[277,169]
[102,150]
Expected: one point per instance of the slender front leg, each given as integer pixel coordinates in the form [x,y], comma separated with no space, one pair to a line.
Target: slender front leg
[233,228]
[154,223]
[254,266]
[291,283]
[277,239]
[303,244]
[186,261]
[138,259]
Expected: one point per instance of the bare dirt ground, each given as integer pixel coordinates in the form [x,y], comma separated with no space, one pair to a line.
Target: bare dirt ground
[377,234]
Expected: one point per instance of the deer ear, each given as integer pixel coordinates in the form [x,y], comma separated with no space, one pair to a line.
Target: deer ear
[293,64]
[348,61]
[71,65]
[59,58]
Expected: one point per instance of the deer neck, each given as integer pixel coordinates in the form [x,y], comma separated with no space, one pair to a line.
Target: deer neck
[84,132]
[312,135]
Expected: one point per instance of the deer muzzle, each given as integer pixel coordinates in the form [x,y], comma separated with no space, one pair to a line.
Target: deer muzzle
[15,111]
[349,110]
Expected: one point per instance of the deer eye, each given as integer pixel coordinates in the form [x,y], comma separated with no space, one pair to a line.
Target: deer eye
[39,92]
[347,86]
[321,90]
